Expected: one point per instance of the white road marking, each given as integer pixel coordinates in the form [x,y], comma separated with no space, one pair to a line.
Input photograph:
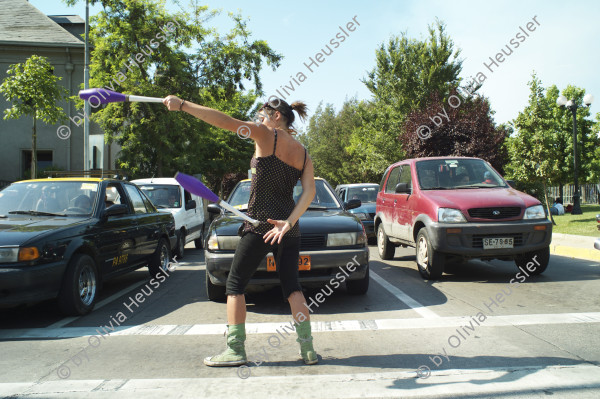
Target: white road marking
[446,383]
[317,326]
[398,293]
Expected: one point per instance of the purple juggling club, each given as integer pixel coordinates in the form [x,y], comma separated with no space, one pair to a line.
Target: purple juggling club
[195,186]
[104,96]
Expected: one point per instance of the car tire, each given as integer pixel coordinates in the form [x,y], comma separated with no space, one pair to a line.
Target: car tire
[358,287]
[429,261]
[181,244]
[198,242]
[215,293]
[543,258]
[160,260]
[79,289]
[385,248]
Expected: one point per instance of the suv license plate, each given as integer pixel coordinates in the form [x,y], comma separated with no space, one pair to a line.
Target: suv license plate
[495,243]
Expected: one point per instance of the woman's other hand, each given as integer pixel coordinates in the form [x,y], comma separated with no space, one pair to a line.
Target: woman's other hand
[280,227]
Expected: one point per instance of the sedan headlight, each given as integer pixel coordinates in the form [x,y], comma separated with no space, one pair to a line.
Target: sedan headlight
[449,215]
[341,239]
[535,212]
[213,242]
[362,216]
[228,243]
[16,254]
[9,254]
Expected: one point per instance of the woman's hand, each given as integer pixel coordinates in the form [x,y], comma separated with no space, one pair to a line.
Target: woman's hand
[276,233]
[173,103]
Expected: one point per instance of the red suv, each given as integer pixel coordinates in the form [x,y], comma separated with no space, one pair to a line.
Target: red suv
[454,208]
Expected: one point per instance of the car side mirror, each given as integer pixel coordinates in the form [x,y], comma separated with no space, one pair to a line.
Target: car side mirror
[214,208]
[511,183]
[116,210]
[403,188]
[352,204]
[191,204]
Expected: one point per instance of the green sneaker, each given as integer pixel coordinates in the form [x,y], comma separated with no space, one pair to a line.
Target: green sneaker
[235,354]
[305,339]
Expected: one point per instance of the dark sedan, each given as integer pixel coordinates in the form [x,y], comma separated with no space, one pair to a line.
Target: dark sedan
[61,238]
[333,241]
[367,194]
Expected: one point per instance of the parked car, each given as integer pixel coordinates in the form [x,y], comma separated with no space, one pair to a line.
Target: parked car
[452,208]
[62,238]
[187,209]
[367,194]
[331,237]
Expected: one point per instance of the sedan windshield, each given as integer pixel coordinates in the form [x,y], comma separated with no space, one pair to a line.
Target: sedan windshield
[363,193]
[324,197]
[52,198]
[443,174]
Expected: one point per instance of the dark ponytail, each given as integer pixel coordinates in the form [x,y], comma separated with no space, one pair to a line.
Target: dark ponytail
[286,110]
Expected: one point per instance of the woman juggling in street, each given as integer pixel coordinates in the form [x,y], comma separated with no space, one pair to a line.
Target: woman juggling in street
[278,162]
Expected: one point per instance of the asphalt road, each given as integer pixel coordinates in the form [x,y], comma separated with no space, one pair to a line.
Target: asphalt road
[468,335]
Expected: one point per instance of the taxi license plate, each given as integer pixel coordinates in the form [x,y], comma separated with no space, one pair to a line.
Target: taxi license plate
[303,263]
[500,242]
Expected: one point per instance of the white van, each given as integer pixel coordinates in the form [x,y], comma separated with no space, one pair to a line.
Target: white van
[187,209]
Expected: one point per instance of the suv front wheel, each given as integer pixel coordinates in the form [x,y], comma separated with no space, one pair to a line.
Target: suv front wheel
[539,259]
[384,246]
[429,261]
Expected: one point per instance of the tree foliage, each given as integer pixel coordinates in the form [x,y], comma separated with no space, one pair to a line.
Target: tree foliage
[33,90]
[182,55]
[461,126]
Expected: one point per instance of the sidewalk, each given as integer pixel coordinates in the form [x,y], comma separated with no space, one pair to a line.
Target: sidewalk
[573,246]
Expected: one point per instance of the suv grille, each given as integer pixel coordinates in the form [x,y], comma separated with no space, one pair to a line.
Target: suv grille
[495,213]
[478,239]
[312,241]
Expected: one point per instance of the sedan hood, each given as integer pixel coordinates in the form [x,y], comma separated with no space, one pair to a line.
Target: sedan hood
[366,207]
[480,198]
[312,222]
[16,230]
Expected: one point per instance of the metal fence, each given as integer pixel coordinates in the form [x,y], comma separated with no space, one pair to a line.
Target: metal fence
[590,193]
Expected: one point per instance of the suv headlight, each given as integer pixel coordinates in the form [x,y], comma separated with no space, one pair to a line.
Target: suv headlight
[449,215]
[535,212]
[341,239]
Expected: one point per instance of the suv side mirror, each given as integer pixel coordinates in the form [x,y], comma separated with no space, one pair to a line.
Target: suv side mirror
[511,183]
[191,204]
[213,208]
[403,188]
[352,204]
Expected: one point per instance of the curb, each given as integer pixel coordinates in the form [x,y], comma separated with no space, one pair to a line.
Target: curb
[578,253]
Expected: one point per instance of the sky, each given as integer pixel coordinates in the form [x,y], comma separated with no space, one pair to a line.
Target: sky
[563,49]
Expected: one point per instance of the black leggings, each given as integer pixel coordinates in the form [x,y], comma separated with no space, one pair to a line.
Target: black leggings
[251,250]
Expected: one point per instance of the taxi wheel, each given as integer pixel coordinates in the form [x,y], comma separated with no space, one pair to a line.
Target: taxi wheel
[384,246]
[181,244]
[358,287]
[541,256]
[215,293]
[429,261]
[160,260]
[79,290]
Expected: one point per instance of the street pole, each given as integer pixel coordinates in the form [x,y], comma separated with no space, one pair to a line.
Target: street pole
[86,83]
[576,205]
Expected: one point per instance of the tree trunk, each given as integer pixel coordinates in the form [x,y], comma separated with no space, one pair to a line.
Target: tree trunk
[560,191]
[547,204]
[34,150]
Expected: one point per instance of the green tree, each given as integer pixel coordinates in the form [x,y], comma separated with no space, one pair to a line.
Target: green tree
[531,149]
[406,73]
[181,55]
[33,90]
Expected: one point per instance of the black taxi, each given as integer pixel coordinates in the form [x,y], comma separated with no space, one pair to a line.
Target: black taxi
[62,237]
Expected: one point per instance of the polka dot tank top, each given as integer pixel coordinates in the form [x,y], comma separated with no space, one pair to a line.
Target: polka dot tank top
[272,192]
